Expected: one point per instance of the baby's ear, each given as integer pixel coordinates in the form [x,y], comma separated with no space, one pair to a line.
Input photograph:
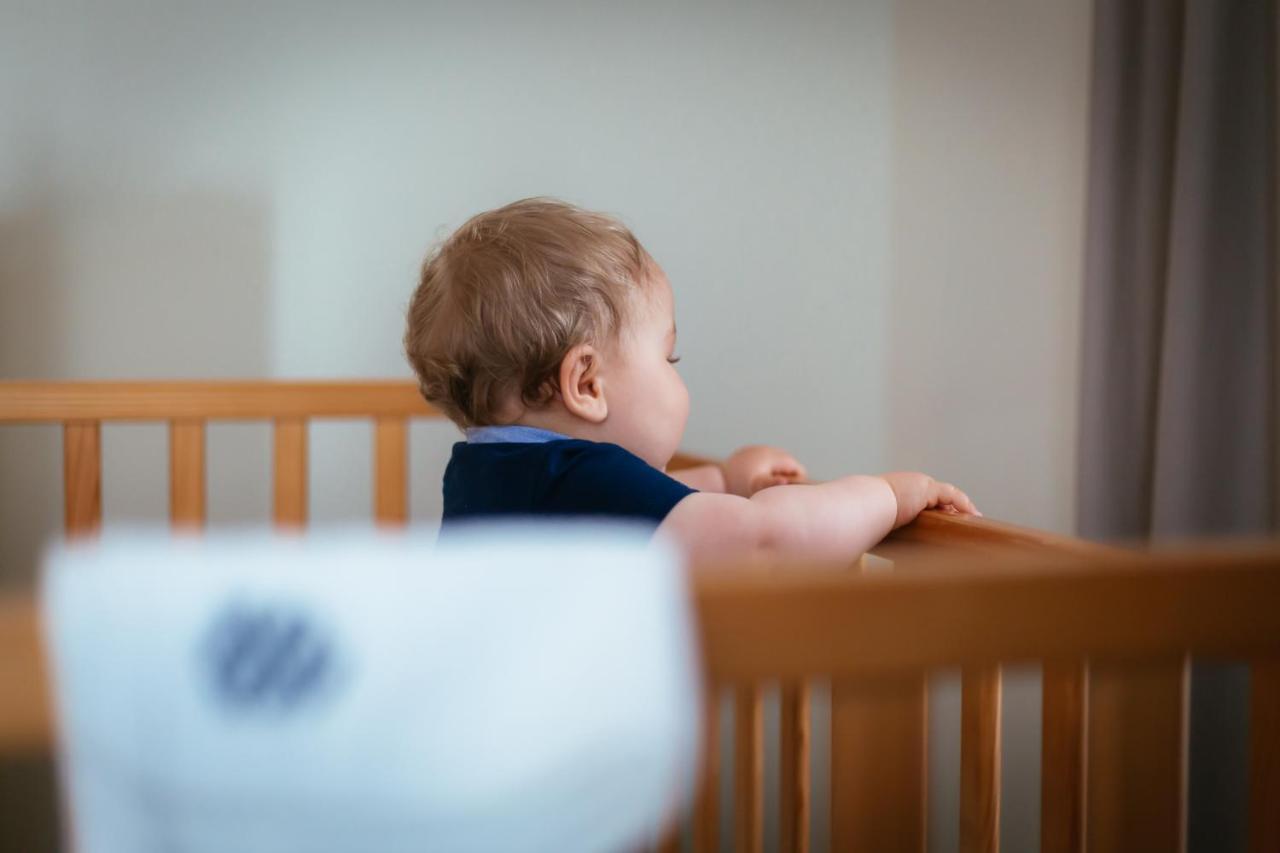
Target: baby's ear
[582,384]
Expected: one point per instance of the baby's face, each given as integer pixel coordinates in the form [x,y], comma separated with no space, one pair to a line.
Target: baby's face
[648,402]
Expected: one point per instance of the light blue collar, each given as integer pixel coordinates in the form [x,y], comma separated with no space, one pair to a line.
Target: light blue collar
[515,433]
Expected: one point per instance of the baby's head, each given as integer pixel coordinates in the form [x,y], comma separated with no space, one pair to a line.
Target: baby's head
[545,314]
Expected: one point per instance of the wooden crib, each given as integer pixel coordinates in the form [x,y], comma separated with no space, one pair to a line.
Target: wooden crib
[1113,628]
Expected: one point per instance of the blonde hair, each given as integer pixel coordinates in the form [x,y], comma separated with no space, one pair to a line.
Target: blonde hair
[502,301]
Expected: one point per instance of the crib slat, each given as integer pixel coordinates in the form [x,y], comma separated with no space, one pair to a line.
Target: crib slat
[186,474]
[82,477]
[706,809]
[1137,758]
[878,764]
[748,770]
[793,768]
[390,486]
[1264,757]
[980,760]
[1063,711]
[26,712]
[290,480]
[669,842]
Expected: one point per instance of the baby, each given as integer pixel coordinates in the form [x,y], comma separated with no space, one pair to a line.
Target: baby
[547,333]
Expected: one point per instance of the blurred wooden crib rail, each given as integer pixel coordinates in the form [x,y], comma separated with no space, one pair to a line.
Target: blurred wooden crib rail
[81,407]
[1114,630]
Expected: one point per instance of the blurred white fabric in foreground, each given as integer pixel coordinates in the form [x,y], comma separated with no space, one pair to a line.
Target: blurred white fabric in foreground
[514,688]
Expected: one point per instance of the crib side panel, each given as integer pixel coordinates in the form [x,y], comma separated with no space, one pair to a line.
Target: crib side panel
[1136,728]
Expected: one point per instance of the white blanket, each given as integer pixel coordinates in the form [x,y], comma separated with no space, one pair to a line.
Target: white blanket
[512,689]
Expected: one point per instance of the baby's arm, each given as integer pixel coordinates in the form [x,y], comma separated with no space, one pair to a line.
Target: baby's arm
[745,472]
[841,518]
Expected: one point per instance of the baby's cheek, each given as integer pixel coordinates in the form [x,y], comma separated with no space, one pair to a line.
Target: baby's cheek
[682,406]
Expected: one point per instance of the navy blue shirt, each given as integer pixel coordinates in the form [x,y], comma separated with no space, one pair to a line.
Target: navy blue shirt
[521,471]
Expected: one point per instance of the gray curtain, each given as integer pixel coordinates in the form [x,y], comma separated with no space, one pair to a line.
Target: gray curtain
[1179,426]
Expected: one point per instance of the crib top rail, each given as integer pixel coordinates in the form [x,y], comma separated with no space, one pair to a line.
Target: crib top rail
[51,402]
[932,532]
[798,620]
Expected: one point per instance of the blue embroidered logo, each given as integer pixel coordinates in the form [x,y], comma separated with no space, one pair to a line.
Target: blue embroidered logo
[268,657]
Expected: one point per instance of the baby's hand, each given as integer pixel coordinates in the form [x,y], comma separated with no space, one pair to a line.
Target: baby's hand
[917,492]
[757,467]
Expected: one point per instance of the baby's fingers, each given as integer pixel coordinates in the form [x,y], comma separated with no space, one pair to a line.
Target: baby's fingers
[950,495]
[790,469]
[767,480]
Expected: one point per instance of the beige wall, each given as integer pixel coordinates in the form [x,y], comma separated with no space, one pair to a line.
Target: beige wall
[871,214]
[990,123]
